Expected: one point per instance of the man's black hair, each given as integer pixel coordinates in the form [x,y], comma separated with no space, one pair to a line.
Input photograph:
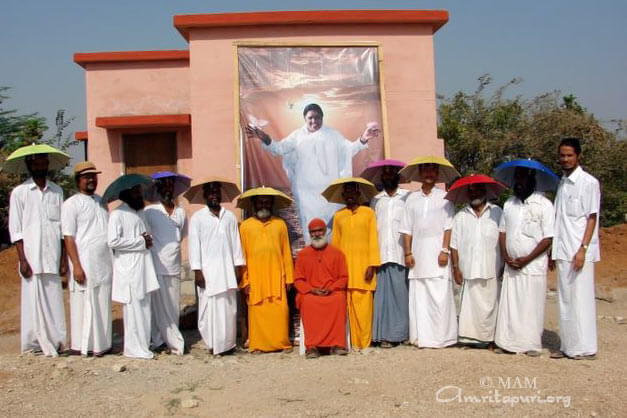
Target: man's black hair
[575,143]
[314,107]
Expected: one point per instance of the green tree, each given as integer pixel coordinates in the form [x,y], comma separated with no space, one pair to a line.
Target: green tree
[483,130]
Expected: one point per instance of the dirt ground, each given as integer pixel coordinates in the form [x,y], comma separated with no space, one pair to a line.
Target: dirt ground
[402,381]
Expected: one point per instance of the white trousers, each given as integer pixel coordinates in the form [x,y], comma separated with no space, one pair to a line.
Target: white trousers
[165,314]
[432,320]
[90,319]
[478,310]
[578,327]
[520,320]
[137,328]
[43,314]
[217,319]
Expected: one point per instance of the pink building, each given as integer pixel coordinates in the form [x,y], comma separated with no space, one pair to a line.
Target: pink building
[178,110]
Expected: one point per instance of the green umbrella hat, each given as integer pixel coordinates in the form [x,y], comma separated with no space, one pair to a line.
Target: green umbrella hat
[16,162]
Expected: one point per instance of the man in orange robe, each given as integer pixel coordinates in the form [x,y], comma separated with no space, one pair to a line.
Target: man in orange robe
[321,277]
[268,275]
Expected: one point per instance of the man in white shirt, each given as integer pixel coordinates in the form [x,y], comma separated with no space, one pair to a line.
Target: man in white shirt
[134,276]
[84,223]
[390,324]
[35,228]
[426,227]
[216,257]
[166,224]
[526,232]
[477,266]
[313,156]
[575,250]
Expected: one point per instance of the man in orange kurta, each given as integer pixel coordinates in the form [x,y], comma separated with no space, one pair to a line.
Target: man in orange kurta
[321,277]
[355,233]
[268,275]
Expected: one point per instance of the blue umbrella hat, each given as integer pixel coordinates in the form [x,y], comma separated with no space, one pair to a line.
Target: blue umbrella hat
[546,180]
[127,181]
[181,184]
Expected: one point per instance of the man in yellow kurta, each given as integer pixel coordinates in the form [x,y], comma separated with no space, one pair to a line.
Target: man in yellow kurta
[268,275]
[355,233]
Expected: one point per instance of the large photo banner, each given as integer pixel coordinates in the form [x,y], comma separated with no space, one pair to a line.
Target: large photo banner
[308,115]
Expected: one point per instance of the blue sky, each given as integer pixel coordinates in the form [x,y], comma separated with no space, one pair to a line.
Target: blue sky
[577,47]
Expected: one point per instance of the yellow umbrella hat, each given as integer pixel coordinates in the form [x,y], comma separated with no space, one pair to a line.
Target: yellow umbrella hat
[16,162]
[228,189]
[333,192]
[447,172]
[281,200]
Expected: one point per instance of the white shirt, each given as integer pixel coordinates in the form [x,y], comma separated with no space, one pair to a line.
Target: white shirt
[389,211]
[35,218]
[426,218]
[133,270]
[525,224]
[167,232]
[476,240]
[312,160]
[215,248]
[578,196]
[84,218]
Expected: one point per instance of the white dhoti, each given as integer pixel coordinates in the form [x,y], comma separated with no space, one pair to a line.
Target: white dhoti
[520,320]
[432,321]
[217,319]
[43,314]
[578,328]
[478,311]
[165,314]
[137,328]
[90,319]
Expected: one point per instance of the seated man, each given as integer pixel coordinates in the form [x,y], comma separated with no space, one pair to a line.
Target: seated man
[321,277]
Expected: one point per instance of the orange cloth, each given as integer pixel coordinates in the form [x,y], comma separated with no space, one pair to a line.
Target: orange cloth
[324,317]
[269,268]
[355,233]
[360,309]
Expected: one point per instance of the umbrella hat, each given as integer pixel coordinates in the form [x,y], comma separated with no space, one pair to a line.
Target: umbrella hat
[229,190]
[124,182]
[281,200]
[546,180]
[458,193]
[16,162]
[181,184]
[446,173]
[374,170]
[333,192]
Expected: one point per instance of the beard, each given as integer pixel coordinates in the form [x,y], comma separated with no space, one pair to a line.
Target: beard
[39,174]
[319,242]
[390,184]
[167,198]
[522,192]
[136,204]
[213,204]
[477,202]
[263,213]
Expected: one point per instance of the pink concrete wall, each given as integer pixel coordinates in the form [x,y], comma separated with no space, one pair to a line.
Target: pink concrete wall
[408,77]
[127,89]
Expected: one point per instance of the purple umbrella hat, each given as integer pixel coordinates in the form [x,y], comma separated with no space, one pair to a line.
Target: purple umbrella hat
[373,172]
[181,184]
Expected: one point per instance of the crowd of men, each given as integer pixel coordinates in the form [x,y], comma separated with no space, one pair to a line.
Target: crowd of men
[383,275]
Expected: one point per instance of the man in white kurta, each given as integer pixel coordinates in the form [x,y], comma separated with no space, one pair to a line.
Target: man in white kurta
[526,230]
[390,323]
[134,276]
[426,226]
[215,251]
[84,223]
[477,266]
[575,250]
[166,223]
[313,156]
[35,229]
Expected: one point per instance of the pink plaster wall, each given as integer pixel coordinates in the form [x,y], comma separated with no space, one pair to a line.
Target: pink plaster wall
[127,89]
